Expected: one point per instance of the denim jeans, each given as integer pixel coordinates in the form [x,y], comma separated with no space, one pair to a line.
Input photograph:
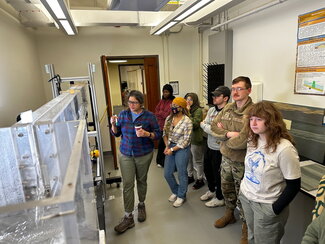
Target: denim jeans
[178,160]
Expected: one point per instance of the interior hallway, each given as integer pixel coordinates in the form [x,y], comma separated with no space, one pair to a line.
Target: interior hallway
[192,223]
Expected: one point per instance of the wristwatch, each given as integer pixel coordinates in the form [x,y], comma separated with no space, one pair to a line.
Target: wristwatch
[171,149]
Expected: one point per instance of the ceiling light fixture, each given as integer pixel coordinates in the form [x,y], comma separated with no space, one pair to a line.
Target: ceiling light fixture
[166,27]
[55,6]
[187,9]
[117,61]
[67,27]
[192,10]
[61,15]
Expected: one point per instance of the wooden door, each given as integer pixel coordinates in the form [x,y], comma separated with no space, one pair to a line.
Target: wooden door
[103,60]
[152,95]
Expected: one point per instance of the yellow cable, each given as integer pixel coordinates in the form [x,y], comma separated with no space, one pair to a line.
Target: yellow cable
[101,119]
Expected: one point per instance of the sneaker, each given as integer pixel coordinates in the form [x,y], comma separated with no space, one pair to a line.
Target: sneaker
[126,223]
[172,198]
[198,184]
[179,202]
[215,202]
[159,165]
[190,179]
[142,212]
[206,196]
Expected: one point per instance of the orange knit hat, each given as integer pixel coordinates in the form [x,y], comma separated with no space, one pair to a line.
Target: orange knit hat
[180,102]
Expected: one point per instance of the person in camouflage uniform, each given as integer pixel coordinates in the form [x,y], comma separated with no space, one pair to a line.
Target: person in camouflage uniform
[228,126]
[315,232]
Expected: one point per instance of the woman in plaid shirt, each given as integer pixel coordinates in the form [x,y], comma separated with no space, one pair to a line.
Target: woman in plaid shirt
[138,128]
[177,137]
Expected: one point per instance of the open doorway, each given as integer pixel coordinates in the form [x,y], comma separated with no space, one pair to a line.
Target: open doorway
[121,74]
[132,77]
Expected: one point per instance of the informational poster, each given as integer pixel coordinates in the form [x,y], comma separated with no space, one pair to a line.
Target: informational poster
[310,65]
[174,84]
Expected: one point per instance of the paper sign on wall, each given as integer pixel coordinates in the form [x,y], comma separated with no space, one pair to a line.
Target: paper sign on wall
[310,65]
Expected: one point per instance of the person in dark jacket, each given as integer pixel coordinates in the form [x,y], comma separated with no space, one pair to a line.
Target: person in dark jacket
[195,166]
[162,111]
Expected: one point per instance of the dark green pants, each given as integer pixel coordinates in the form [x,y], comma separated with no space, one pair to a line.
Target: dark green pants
[134,168]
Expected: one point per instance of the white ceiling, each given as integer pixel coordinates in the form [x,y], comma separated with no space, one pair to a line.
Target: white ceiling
[31,13]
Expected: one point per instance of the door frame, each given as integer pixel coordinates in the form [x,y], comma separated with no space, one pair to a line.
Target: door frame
[153,96]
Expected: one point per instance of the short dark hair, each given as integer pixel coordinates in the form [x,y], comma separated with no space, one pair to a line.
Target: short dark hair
[248,83]
[222,90]
[138,96]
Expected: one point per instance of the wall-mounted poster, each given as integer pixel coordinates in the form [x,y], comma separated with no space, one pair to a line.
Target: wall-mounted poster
[174,84]
[310,65]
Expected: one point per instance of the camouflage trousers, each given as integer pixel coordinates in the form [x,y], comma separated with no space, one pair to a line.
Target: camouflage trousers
[231,175]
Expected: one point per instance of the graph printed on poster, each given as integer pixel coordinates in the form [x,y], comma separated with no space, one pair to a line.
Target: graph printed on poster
[310,64]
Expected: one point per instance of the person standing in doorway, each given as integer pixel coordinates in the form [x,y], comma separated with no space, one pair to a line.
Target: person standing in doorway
[272,174]
[195,165]
[138,128]
[229,127]
[162,111]
[177,137]
[212,156]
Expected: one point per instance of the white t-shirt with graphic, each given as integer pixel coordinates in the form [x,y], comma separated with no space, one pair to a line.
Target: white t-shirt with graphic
[266,172]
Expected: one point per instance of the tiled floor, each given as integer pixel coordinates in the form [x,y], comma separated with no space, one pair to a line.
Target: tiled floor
[191,224]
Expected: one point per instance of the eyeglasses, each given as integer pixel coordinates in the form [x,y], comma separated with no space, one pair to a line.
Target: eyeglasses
[237,89]
[189,99]
[132,102]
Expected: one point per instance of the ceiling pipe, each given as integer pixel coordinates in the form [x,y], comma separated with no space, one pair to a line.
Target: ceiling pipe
[254,11]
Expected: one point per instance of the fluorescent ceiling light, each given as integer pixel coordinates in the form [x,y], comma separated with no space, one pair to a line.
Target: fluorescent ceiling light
[192,10]
[117,61]
[166,27]
[56,8]
[61,15]
[66,25]
[184,11]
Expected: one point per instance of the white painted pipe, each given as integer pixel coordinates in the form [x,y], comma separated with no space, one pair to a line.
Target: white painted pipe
[266,6]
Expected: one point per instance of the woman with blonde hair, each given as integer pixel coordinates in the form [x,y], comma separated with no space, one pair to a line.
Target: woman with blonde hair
[177,137]
[272,174]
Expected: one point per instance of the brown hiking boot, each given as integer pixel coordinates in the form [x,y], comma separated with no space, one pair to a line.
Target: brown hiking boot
[141,212]
[228,218]
[126,223]
[243,239]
